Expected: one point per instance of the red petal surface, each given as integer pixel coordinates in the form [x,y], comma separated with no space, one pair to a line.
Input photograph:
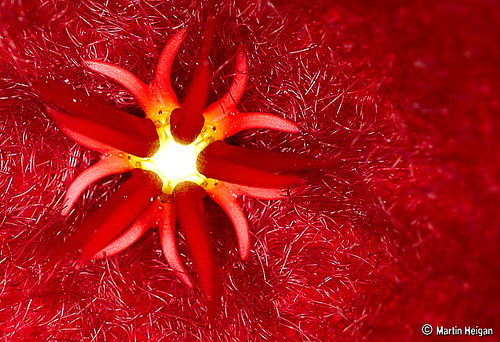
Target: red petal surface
[108,165]
[119,212]
[407,232]
[218,168]
[262,159]
[188,120]
[161,85]
[113,218]
[98,120]
[146,220]
[188,200]
[139,89]
[228,202]
[78,137]
[262,193]
[166,226]
[220,109]
[238,122]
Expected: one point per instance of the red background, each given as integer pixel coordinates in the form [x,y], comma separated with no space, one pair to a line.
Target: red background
[405,232]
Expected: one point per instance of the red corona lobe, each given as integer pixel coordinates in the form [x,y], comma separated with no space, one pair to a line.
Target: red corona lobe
[187,121]
[215,162]
[113,218]
[272,161]
[156,97]
[112,162]
[188,200]
[122,209]
[166,226]
[99,120]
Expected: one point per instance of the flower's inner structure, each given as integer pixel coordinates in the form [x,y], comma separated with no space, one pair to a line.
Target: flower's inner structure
[177,156]
[174,162]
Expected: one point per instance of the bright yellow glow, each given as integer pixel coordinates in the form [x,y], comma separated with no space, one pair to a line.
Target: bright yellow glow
[174,162]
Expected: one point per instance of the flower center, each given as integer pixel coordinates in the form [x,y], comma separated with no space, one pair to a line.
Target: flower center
[175,163]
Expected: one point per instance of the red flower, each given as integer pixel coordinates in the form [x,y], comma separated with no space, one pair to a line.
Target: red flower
[177,156]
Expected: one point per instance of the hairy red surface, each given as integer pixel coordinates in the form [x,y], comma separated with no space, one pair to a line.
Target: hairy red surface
[404,232]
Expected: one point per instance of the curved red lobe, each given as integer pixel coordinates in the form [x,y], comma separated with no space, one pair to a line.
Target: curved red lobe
[188,200]
[112,218]
[265,160]
[187,121]
[98,120]
[231,164]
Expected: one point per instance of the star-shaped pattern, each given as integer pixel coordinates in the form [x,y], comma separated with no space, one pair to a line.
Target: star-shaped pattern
[172,134]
